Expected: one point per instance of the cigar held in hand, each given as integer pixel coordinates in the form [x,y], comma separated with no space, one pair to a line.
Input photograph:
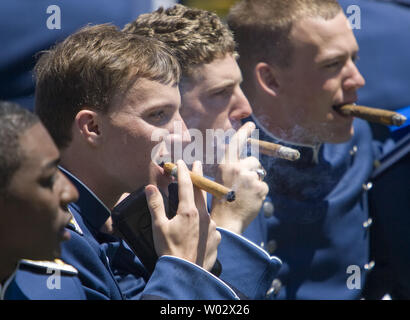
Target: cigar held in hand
[275,150]
[216,189]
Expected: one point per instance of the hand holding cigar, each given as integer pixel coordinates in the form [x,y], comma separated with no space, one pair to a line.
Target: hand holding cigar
[275,150]
[244,175]
[202,183]
[382,116]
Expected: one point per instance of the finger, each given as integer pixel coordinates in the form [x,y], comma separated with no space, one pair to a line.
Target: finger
[155,204]
[185,187]
[238,142]
[200,195]
[250,163]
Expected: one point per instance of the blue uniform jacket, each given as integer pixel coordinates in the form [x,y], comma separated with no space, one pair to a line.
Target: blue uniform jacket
[389,209]
[315,219]
[108,269]
[43,280]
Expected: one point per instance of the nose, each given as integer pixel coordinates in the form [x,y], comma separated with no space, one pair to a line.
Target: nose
[68,192]
[240,108]
[179,130]
[178,138]
[354,79]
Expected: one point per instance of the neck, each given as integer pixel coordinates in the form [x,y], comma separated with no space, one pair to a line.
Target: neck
[96,183]
[283,131]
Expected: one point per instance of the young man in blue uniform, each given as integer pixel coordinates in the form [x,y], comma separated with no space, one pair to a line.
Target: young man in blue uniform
[102,94]
[298,61]
[211,101]
[34,196]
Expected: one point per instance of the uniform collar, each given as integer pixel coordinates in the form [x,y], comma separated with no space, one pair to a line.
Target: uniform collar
[91,208]
[308,153]
[3,288]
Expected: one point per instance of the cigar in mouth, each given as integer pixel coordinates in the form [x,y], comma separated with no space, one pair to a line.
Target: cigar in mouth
[275,150]
[216,189]
[382,116]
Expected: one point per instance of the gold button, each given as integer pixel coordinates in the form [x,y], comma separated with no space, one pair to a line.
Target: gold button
[353,151]
[368,223]
[370,265]
[367,186]
[274,288]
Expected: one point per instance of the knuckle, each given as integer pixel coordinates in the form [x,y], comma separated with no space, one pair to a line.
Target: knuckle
[212,225]
[190,212]
[218,236]
[155,205]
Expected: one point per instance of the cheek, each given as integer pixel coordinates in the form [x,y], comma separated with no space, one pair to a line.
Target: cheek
[38,218]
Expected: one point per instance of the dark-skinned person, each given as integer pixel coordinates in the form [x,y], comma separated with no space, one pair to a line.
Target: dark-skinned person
[34,196]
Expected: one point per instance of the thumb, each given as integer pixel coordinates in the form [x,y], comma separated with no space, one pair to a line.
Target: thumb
[238,142]
[155,204]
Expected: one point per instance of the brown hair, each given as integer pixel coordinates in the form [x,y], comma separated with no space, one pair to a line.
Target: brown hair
[196,36]
[262,27]
[90,68]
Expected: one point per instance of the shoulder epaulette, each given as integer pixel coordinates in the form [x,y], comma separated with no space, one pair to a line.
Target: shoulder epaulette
[73,224]
[46,266]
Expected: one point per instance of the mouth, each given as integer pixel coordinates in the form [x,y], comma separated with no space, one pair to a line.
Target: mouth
[64,234]
[162,179]
[337,106]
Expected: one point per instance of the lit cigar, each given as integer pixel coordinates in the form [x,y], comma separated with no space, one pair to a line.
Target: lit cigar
[275,150]
[216,189]
[385,117]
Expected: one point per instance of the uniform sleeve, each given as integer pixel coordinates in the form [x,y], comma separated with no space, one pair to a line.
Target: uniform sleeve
[246,266]
[178,279]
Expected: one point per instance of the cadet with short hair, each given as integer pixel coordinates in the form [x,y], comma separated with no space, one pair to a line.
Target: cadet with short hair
[211,99]
[298,60]
[34,195]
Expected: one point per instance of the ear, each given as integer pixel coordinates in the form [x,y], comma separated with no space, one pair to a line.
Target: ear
[88,125]
[266,78]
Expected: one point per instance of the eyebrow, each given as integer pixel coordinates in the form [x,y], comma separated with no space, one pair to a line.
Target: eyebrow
[337,56]
[225,84]
[52,164]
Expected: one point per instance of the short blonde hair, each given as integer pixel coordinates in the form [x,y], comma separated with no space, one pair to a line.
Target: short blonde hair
[262,27]
[90,68]
[196,36]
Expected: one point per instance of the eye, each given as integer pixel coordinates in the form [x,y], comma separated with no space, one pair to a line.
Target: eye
[223,92]
[333,64]
[48,181]
[157,115]
[160,116]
